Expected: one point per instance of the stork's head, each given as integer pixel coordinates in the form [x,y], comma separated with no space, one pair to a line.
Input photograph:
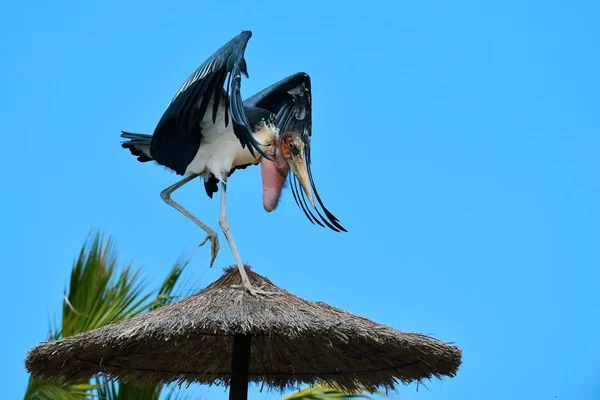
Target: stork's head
[293,149]
[288,153]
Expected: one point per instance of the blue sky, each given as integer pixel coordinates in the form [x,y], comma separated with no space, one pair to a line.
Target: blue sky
[456,141]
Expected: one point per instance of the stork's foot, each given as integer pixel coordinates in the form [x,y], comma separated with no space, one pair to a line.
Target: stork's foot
[214,245]
[253,290]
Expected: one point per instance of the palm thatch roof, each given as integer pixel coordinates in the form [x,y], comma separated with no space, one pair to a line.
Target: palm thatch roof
[294,342]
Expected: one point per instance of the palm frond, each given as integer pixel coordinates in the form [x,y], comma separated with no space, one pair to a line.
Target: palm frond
[127,391]
[97,293]
[320,392]
[39,389]
[168,286]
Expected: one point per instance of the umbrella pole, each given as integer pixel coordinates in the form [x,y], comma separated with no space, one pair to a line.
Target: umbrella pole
[240,365]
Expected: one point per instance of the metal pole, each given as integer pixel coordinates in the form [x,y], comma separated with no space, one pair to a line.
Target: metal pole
[240,365]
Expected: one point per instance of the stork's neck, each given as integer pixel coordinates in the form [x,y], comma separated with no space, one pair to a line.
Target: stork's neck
[263,128]
[267,135]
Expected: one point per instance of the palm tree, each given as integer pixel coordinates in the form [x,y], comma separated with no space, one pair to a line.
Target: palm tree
[99,294]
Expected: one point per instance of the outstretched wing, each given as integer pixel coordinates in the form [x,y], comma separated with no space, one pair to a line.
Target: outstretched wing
[177,136]
[290,101]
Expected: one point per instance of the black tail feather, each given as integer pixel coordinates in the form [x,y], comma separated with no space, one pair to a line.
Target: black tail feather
[138,144]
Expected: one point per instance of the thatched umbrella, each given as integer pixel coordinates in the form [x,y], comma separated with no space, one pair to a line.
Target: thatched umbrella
[223,335]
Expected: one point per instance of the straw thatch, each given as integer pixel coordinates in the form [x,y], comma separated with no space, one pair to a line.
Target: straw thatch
[294,342]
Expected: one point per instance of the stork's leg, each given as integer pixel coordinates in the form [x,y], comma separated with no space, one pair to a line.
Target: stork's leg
[210,234]
[225,227]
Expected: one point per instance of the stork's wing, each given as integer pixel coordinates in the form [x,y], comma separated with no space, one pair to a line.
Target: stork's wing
[177,135]
[290,100]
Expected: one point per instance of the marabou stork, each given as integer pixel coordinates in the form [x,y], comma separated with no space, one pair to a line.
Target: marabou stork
[207,131]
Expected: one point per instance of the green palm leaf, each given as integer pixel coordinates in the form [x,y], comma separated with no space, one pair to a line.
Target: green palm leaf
[49,390]
[127,391]
[320,392]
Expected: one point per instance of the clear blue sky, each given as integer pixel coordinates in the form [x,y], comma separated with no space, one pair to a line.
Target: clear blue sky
[457,141]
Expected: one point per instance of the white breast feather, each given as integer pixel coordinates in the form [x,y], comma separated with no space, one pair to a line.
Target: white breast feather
[220,149]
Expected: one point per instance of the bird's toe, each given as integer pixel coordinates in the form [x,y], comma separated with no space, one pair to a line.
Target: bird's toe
[214,246]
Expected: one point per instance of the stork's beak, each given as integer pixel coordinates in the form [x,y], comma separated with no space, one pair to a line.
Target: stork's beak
[296,161]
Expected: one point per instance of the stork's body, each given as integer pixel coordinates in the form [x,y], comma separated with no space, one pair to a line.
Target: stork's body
[209,132]
[220,151]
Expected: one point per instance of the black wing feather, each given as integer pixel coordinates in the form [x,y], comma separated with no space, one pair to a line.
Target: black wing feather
[290,100]
[177,135]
